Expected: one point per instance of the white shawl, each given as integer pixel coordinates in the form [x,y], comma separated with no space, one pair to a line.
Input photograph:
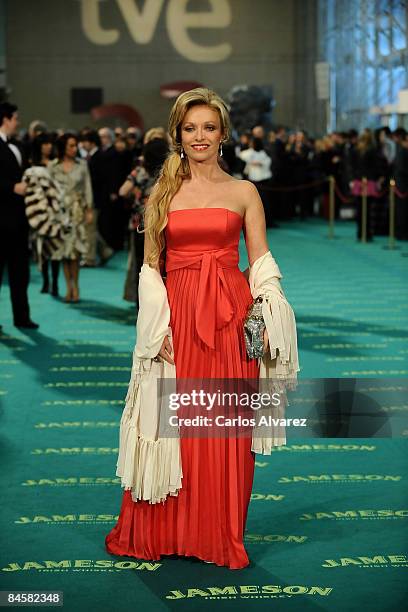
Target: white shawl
[149,465]
[279,366]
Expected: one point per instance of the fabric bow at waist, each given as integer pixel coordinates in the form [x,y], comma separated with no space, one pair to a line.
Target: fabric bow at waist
[214,305]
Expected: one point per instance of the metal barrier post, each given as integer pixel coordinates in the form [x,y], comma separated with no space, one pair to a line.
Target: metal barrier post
[391,238]
[331,206]
[364,210]
[391,216]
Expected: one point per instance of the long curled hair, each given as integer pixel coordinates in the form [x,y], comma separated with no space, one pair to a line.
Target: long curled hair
[175,169]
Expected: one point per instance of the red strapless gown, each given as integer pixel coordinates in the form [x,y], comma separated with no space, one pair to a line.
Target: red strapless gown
[208,297]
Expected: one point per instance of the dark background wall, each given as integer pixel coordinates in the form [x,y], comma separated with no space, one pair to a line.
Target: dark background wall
[55,45]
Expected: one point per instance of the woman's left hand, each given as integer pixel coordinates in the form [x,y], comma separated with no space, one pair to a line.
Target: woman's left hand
[266,340]
[89,216]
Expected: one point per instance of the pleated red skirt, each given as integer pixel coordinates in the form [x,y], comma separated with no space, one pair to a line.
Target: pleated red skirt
[207,518]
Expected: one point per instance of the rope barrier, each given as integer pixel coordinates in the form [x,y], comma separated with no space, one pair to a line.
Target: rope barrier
[342,197]
[349,200]
[402,196]
[345,199]
[392,192]
[334,190]
[296,187]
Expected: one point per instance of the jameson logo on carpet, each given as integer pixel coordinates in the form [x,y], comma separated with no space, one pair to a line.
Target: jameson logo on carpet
[255,538]
[297,448]
[266,497]
[316,478]
[86,402]
[70,481]
[86,450]
[351,515]
[67,518]
[376,561]
[71,424]
[100,384]
[269,591]
[81,565]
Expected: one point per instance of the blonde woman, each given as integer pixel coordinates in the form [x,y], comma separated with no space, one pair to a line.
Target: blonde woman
[193,219]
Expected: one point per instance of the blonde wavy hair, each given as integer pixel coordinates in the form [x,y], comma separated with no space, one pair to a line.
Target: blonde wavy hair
[175,169]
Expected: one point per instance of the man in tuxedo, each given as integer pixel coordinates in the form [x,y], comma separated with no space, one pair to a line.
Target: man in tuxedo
[14,250]
[95,158]
[115,170]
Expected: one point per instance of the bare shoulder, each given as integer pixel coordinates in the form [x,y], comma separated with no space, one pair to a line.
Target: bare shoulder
[247,188]
[242,188]
[246,194]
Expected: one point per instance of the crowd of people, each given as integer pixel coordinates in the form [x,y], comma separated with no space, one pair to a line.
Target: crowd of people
[291,169]
[78,197]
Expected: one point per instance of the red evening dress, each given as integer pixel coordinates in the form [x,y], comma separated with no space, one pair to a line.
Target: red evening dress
[208,297]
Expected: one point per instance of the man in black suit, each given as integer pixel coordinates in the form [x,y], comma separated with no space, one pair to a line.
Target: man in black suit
[112,218]
[13,221]
[97,170]
[281,177]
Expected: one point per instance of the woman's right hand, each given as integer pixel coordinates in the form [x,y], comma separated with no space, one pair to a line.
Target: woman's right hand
[166,351]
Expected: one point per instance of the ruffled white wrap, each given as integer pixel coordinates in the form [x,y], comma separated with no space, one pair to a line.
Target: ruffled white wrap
[149,465]
[279,366]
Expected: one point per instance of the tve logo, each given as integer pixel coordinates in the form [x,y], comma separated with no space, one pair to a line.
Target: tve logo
[142,24]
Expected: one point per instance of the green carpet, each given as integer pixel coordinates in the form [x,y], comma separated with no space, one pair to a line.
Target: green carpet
[327,524]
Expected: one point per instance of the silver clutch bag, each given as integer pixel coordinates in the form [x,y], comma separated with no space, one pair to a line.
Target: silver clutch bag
[254,327]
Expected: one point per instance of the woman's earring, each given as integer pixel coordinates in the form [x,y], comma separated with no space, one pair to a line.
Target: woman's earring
[182,154]
[221,149]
